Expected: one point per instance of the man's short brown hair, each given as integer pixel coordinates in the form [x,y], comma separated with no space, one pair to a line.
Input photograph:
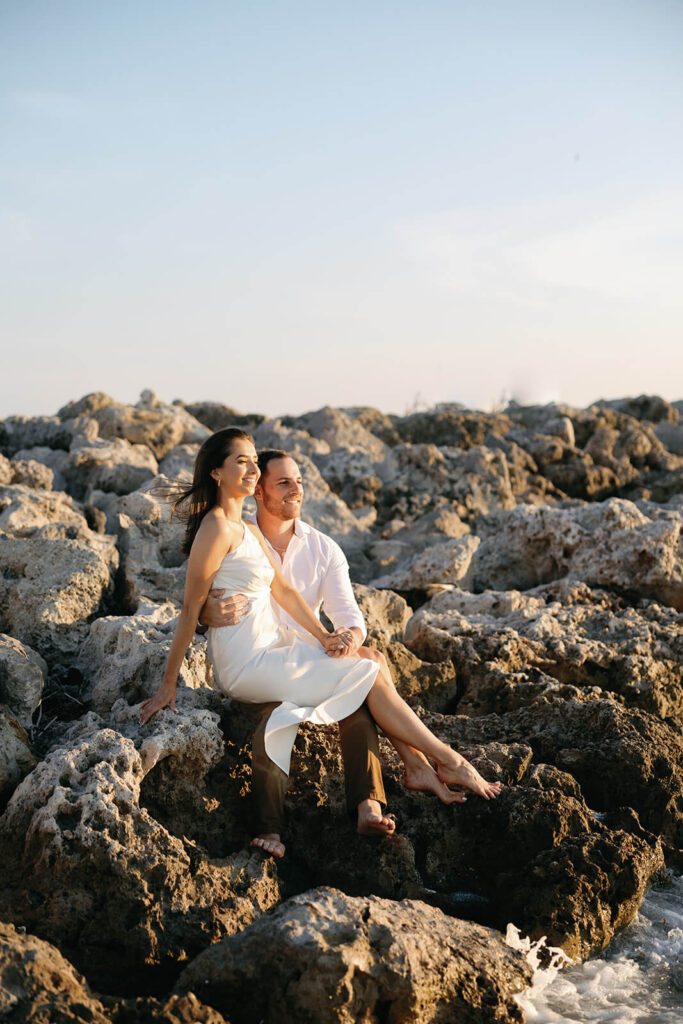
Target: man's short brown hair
[268,455]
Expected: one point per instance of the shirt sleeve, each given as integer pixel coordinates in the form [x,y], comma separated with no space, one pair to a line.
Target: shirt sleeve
[339,603]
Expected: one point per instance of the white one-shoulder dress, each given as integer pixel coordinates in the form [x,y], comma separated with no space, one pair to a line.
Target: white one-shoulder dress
[255,661]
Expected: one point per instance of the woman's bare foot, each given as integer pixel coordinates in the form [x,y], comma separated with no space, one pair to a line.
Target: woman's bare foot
[456,771]
[420,775]
[371,821]
[269,843]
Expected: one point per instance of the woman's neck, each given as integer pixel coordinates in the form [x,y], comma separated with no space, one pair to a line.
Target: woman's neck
[231,508]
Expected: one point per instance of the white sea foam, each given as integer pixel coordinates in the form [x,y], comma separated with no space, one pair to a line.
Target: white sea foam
[639,979]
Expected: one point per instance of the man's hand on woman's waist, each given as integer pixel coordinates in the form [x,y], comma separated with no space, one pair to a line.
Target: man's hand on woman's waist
[223,611]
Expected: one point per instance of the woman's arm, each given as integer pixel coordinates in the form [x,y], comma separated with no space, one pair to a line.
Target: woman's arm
[212,543]
[292,601]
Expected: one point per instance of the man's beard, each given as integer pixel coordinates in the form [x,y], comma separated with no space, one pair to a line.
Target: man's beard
[279,510]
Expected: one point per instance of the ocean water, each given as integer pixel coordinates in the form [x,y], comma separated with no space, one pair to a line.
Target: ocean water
[637,980]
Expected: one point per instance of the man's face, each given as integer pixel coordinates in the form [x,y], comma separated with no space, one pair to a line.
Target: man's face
[280,490]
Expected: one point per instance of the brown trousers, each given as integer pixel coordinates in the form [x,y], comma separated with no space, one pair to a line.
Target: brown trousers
[362,769]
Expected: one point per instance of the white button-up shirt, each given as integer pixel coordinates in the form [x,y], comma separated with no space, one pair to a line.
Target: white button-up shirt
[316,567]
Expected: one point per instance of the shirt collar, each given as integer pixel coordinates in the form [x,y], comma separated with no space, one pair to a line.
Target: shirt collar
[301,529]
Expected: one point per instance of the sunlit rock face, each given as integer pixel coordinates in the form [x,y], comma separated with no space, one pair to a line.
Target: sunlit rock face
[522,573]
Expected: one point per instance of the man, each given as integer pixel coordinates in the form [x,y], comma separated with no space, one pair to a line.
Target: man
[316,566]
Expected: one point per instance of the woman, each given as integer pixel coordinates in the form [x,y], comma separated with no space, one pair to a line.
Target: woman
[251,661]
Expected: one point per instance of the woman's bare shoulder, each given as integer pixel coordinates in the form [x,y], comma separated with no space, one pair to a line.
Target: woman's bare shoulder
[216,528]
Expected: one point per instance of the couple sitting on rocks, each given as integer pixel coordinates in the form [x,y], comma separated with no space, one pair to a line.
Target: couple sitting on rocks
[276,653]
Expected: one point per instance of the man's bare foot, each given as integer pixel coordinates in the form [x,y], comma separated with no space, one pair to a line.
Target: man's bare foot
[456,771]
[371,821]
[422,776]
[269,843]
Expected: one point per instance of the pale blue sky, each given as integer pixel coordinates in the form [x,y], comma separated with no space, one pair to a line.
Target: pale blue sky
[281,205]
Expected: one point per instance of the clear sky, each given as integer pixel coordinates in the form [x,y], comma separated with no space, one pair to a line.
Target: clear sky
[280,205]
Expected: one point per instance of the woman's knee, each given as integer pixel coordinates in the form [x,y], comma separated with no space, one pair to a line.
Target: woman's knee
[383,677]
[372,655]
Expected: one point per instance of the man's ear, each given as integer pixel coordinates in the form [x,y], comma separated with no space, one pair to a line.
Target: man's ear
[258,493]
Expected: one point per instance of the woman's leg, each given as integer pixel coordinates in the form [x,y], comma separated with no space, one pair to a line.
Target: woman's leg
[419,774]
[400,722]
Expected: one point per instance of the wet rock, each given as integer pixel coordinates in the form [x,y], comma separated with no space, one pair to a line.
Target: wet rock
[125,656]
[22,678]
[39,986]
[50,588]
[16,759]
[152,561]
[609,544]
[86,866]
[581,893]
[511,649]
[327,957]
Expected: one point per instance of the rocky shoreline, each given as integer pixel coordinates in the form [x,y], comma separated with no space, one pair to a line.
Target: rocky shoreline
[522,571]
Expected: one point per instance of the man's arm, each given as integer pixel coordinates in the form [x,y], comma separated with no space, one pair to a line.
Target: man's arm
[339,603]
[221,611]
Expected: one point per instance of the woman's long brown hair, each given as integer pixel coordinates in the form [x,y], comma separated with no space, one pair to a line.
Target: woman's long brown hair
[192,504]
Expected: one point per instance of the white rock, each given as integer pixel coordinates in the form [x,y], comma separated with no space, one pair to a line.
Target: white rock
[125,657]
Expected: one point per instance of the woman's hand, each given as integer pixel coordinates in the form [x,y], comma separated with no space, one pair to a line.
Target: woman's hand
[163,698]
[343,643]
[336,644]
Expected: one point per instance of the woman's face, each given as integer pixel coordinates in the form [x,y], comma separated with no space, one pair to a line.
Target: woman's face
[238,474]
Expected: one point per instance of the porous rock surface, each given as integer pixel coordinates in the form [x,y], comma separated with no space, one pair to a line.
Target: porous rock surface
[39,986]
[125,655]
[50,586]
[537,555]
[22,678]
[96,874]
[327,957]
[510,647]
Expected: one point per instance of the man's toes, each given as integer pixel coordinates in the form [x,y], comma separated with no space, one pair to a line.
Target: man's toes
[270,846]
